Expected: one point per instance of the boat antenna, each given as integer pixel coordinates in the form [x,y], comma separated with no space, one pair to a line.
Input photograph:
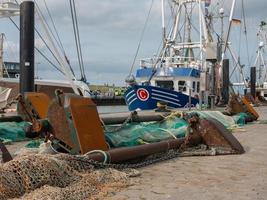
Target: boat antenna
[77,38]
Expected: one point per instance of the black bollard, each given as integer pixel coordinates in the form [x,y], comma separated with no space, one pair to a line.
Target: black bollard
[26,47]
[225,81]
[212,83]
[253,82]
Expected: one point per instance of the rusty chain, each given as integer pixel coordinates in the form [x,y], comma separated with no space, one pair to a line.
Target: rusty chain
[150,160]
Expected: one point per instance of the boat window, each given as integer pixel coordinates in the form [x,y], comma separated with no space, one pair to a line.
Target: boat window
[194,86]
[165,84]
[182,86]
[265,95]
[198,87]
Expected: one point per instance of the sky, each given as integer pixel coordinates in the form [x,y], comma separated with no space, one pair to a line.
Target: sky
[110,31]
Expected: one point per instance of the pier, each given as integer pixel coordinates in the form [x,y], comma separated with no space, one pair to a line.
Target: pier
[241,176]
[208,178]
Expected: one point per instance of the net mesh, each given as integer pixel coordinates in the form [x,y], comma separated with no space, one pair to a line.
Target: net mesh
[132,134]
[150,132]
[228,121]
[173,126]
[13,131]
[37,176]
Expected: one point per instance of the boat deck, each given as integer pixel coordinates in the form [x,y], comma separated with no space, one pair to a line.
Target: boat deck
[208,178]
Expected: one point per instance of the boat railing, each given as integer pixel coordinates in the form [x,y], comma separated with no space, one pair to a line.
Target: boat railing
[8,8]
[195,45]
[170,62]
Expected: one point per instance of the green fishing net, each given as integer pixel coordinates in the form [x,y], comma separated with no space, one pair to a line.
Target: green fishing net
[134,134]
[228,121]
[141,133]
[12,131]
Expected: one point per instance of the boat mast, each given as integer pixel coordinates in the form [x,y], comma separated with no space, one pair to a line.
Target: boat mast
[221,40]
[176,23]
[259,61]
[62,61]
[1,54]
[228,31]
[163,22]
[200,34]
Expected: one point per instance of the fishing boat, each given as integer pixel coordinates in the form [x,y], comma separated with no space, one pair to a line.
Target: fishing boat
[184,72]
[174,76]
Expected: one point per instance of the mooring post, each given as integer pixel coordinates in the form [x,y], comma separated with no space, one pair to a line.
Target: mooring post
[212,84]
[253,82]
[225,81]
[26,47]
[190,98]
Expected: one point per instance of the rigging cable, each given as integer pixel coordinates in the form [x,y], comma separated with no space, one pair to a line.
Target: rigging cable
[141,38]
[79,41]
[54,26]
[77,38]
[245,32]
[49,28]
[10,49]
[161,53]
[54,37]
[63,61]
[59,42]
[45,57]
[159,49]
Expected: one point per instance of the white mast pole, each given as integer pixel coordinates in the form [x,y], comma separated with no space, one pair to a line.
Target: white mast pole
[163,21]
[62,61]
[200,34]
[228,32]
[1,54]
[177,19]
[204,26]
[262,65]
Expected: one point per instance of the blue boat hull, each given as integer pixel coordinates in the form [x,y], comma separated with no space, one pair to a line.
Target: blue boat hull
[146,97]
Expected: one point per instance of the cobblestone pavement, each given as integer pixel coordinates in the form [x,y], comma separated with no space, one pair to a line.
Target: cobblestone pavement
[222,177]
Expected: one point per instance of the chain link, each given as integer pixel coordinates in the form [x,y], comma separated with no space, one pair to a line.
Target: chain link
[200,150]
[148,161]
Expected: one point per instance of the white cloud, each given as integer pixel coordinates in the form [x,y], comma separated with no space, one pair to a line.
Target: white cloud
[110,31]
